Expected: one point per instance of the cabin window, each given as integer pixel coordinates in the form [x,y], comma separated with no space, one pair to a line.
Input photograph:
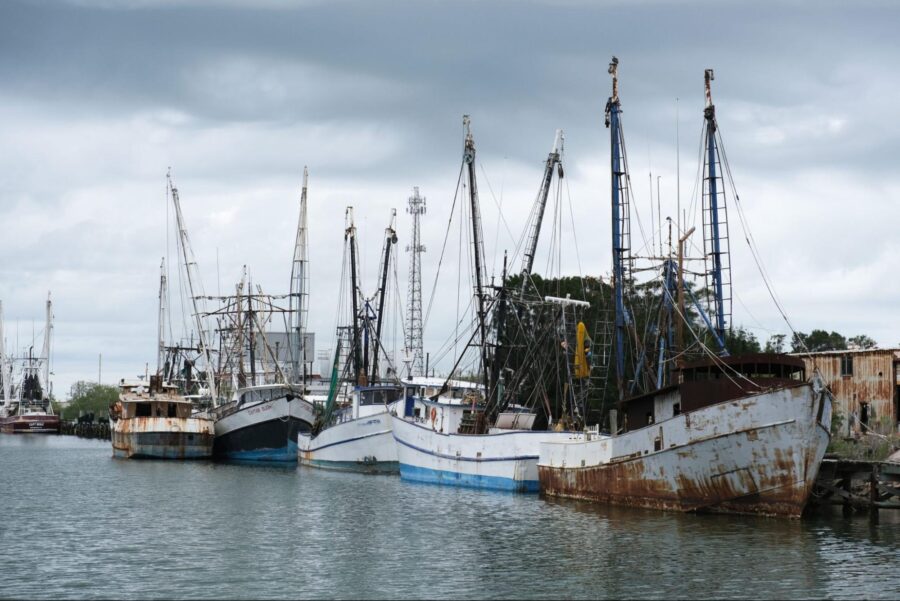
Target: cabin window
[172,410]
[847,365]
[143,410]
[676,409]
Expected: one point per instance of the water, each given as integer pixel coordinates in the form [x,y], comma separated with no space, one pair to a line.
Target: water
[78,523]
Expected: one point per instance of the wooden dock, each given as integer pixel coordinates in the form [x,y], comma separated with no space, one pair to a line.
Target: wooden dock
[85,429]
[858,486]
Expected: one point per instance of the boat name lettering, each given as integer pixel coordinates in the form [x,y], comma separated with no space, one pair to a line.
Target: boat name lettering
[260,409]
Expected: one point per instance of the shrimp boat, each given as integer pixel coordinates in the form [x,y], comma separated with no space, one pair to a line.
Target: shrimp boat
[152,420]
[26,407]
[262,423]
[723,433]
[353,431]
[256,403]
[474,434]
[438,443]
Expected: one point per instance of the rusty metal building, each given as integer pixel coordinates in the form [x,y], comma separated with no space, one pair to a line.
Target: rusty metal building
[866,386]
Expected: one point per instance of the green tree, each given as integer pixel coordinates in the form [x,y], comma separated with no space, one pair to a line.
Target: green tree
[739,341]
[775,343]
[862,341]
[818,340]
[88,397]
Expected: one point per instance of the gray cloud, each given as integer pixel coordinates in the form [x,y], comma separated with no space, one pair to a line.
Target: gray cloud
[100,98]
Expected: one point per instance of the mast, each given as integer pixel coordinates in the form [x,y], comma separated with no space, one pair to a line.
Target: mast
[4,374]
[495,394]
[414,342]
[534,231]
[390,239]
[679,328]
[478,247]
[714,222]
[299,291]
[45,353]
[620,221]
[193,279]
[251,338]
[161,330]
[350,238]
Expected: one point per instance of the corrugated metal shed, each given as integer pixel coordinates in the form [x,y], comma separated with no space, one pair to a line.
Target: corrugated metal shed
[865,385]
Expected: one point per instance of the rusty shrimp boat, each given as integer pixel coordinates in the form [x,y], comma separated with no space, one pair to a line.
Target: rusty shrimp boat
[743,434]
[695,429]
[152,420]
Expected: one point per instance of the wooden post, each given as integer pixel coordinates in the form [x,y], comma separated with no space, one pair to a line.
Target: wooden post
[873,495]
[847,509]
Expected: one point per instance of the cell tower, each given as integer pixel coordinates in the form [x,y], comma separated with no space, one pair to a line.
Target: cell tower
[414,347]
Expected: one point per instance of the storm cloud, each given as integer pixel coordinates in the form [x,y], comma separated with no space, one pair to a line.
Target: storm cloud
[100,98]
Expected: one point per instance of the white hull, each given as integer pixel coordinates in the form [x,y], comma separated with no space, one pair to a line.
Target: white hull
[365,444]
[755,454]
[504,460]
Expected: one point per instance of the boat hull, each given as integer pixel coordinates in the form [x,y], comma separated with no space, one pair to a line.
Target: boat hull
[501,461]
[162,438]
[264,432]
[363,445]
[759,454]
[30,424]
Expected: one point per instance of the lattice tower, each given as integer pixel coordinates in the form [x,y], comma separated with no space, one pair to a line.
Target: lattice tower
[414,345]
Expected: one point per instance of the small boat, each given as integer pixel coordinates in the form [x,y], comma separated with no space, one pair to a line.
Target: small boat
[152,420]
[25,407]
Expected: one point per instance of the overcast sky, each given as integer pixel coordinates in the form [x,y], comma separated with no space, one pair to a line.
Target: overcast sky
[99,98]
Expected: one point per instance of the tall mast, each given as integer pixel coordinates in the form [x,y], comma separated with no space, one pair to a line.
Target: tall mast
[534,230]
[478,246]
[4,373]
[414,342]
[620,221]
[192,274]
[45,354]
[161,330]
[350,238]
[714,223]
[390,239]
[299,291]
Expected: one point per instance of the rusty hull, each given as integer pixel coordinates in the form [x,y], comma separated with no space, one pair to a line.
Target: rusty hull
[162,437]
[754,459]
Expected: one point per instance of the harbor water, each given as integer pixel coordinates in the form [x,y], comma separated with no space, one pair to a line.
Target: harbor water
[78,523]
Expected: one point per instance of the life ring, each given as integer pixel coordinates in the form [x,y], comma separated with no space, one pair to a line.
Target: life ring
[433,414]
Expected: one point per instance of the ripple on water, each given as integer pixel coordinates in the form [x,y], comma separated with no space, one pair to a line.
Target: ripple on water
[81,524]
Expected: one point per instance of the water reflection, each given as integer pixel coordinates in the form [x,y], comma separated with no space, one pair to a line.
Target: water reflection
[82,524]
